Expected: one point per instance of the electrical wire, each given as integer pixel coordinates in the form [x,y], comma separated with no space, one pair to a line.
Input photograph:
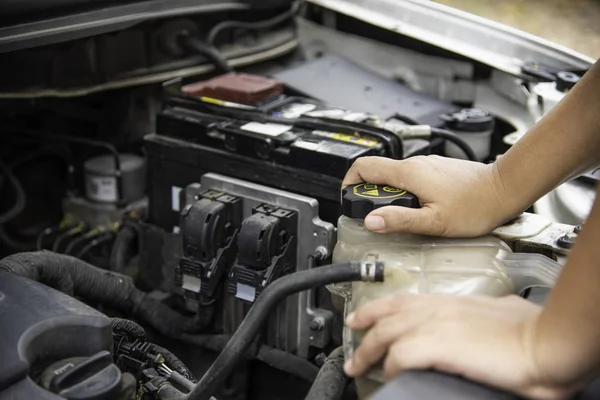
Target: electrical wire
[444,134]
[84,238]
[209,51]
[452,137]
[20,201]
[93,244]
[44,233]
[66,235]
[405,119]
[267,23]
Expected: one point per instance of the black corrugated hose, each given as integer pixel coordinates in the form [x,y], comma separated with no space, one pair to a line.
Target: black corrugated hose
[331,381]
[78,278]
[263,307]
[128,328]
[75,277]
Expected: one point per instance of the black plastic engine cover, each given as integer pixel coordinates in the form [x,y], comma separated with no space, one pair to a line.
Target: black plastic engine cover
[40,326]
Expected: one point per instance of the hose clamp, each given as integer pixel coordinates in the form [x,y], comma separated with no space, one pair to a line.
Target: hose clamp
[369,267]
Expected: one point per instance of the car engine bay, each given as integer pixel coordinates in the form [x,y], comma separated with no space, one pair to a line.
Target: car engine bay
[170,190]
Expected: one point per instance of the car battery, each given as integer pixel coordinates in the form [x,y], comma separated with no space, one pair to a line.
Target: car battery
[304,160]
[256,131]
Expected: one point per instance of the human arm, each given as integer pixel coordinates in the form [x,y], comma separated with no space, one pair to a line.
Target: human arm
[506,342]
[462,198]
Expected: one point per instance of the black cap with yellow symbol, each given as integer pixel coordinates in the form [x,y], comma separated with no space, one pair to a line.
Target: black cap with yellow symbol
[359,200]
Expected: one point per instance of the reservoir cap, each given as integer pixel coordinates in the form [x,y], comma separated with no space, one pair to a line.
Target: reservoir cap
[360,199]
[565,81]
[469,120]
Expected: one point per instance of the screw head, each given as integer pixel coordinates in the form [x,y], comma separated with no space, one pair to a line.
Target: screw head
[317,324]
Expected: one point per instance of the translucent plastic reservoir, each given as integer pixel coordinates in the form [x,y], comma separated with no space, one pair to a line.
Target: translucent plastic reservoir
[421,264]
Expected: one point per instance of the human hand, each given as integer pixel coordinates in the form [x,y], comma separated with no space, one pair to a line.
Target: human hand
[484,339]
[458,198]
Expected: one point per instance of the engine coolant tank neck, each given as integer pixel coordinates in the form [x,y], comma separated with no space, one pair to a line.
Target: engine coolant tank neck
[361,199]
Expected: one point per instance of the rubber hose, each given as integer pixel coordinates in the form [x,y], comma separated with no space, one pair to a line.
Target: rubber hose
[331,381]
[287,362]
[182,381]
[264,306]
[195,45]
[278,359]
[168,392]
[123,242]
[452,137]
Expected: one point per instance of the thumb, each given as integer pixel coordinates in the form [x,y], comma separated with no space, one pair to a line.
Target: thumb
[395,219]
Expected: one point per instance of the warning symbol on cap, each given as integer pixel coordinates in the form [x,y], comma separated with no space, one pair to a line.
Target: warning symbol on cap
[372,191]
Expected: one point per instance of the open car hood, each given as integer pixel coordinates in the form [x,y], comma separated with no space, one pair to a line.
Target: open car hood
[34,23]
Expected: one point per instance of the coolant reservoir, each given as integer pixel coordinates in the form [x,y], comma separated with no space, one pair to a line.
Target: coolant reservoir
[423,264]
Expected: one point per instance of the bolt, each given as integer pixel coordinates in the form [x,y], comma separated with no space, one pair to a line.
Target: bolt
[567,241]
[317,324]
[321,253]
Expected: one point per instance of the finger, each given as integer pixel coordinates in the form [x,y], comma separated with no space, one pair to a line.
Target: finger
[380,170]
[395,219]
[416,351]
[377,341]
[367,315]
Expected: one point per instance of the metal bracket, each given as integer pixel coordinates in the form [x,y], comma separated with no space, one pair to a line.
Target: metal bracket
[532,233]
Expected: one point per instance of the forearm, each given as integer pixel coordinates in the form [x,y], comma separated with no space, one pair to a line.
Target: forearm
[565,143]
[567,335]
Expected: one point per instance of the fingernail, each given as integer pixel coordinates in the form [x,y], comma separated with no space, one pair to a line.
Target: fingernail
[350,318]
[348,367]
[375,223]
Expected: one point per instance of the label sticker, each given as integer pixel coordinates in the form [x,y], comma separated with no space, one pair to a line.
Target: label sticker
[245,292]
[102,188]
[328,113]
[175,192]
[191,283]
[296,110]
[304,144]
[266,129]
[372,191]
[344,137]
